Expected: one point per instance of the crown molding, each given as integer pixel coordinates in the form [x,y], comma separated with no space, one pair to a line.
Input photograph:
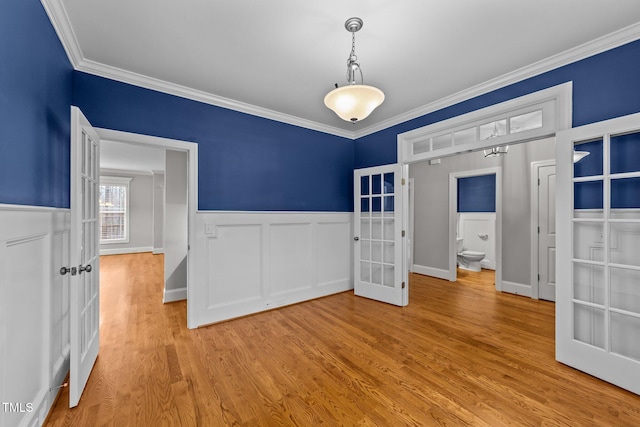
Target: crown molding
[594,47]
[61,24]
[60,21]
[147,82]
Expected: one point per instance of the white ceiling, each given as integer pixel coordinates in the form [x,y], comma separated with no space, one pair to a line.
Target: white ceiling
[130,157]
[279,58]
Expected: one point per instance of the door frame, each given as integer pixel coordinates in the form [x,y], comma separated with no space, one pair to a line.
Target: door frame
[535,241]
[453,216]
[556,100]
[191,148]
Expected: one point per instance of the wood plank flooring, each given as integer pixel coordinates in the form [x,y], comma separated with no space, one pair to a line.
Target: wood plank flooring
[459,354]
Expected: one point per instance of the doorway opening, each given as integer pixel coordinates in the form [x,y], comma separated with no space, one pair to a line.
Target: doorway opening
[179,187]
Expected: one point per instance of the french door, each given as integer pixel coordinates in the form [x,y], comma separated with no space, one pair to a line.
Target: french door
[84,323]
[598,244]
[378,235]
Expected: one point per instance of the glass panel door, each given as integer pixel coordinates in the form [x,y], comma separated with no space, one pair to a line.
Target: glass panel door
[598,308]
[378,234]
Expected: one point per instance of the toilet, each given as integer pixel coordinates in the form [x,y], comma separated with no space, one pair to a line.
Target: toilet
[468,260]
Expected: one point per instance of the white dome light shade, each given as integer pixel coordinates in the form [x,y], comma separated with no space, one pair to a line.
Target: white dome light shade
[354,102]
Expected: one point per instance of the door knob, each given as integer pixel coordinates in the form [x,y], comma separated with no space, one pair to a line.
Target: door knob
[86,268]
[65,270]
[356,238]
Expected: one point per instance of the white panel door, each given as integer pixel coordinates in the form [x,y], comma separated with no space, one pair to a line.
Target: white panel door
[84,290]
[598,263]
[378,235]
[547,232]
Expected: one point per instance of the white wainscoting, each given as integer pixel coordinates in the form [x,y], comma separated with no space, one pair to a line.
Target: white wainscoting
[34,311]
[249,262]
[478,230]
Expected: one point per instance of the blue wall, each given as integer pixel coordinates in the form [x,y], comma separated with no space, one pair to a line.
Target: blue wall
[35,97]
[477,193]
[245,162]
[624,157]
[605,86]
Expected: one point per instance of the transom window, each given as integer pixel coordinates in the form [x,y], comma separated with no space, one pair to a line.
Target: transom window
[529,117]
[114,209]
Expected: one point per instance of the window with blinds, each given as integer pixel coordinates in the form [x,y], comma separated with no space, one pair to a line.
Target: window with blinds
[114,210]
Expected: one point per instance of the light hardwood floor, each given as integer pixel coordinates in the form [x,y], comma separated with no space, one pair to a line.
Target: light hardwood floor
[459,354]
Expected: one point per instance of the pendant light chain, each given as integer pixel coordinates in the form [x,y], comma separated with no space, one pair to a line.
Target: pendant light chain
[352,59]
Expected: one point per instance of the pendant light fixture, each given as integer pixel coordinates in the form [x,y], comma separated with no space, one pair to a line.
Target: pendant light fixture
[353,102]
[496,151]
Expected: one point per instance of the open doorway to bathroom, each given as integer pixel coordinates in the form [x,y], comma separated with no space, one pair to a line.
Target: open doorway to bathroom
[434,227]
[475,208]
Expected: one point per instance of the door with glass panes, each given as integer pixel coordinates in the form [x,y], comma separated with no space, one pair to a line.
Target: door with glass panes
[378,234]
[598,244]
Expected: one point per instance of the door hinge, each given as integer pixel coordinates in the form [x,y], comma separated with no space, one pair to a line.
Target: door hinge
[538,277]
[403,181]
[538,229]
[403,233]
[538,181]
[403,285]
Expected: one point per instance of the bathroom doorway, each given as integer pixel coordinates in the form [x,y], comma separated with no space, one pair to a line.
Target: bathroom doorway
[475,221]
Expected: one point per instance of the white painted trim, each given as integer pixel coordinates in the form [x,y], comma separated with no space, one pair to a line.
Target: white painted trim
[172,295]
[121,251]
[535,191]
[453,216]
[516,288]
[411,223]
[61,23]
[107,171]
[191,148]
[430,271]
[157,251]
[556,103]
[30,208]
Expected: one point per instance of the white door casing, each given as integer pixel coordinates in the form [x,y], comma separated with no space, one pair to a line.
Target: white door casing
[546,230]
[598,270]
[453,216]
[84,257]
[379,271]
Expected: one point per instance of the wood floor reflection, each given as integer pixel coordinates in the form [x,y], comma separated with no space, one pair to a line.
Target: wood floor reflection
[459,354]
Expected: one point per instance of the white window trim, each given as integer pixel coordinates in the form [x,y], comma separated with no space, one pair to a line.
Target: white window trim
[126,181]
[555,103]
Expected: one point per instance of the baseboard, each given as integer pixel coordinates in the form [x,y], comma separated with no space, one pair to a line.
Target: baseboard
[157,251]
[121,251]
[171,295]
[489,265]
[430,271]
[516,288]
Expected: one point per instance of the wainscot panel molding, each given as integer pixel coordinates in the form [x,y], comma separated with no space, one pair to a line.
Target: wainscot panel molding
[34,311]
[247,262]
